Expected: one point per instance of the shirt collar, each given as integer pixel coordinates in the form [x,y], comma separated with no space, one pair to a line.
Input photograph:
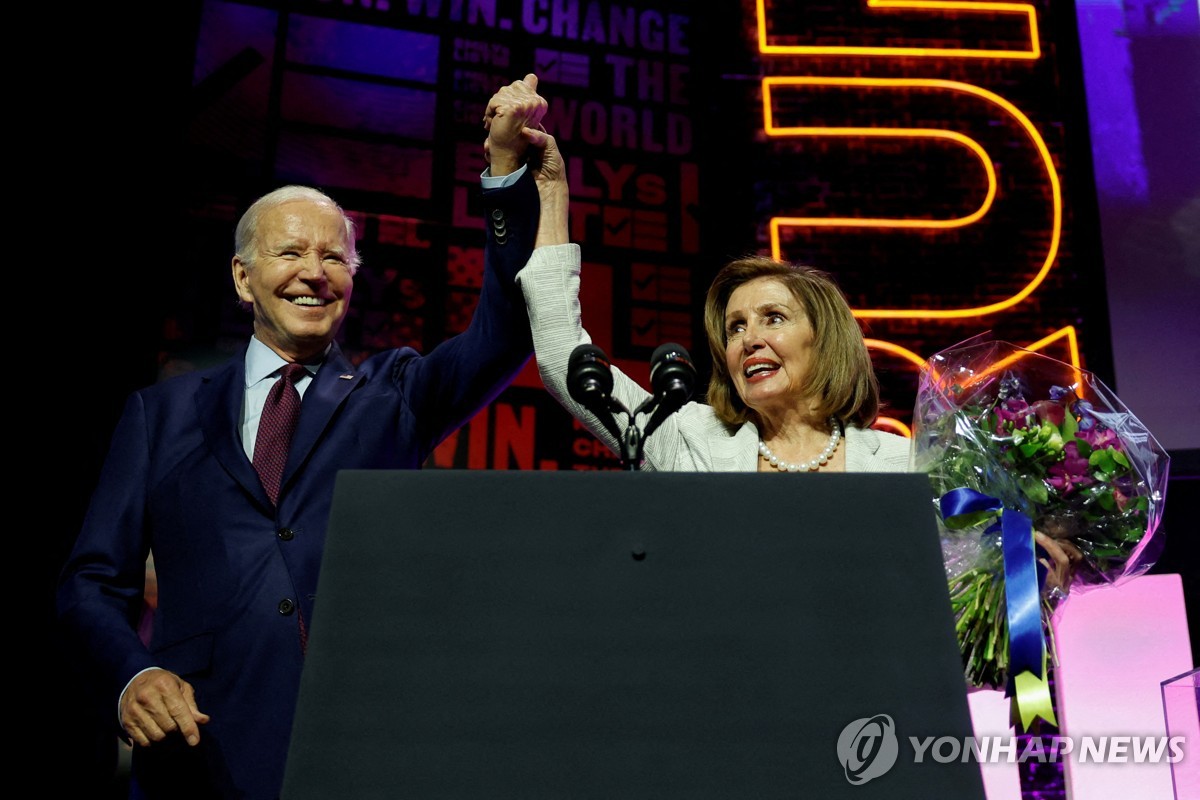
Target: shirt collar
[262,362]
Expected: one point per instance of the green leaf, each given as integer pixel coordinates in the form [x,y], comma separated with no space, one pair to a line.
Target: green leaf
[1102,459]
[1134,535]
[962,521]
[1120,458]
[1069,426]
[1034,489]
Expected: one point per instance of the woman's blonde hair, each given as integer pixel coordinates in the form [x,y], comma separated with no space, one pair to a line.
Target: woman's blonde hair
[842,383]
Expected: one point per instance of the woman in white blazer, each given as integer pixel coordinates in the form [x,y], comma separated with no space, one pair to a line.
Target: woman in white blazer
[792,386]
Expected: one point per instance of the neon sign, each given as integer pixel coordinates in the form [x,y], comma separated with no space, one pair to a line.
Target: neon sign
[786,104]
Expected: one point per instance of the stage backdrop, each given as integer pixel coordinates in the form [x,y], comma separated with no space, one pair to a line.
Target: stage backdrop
[934,158]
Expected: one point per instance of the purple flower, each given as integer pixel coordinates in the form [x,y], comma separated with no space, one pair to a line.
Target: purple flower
[1099,437]
[1083,410]
[1058,393]
[1014,410]
[1071,472]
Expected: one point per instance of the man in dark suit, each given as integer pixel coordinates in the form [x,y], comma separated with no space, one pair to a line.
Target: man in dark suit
[210,702]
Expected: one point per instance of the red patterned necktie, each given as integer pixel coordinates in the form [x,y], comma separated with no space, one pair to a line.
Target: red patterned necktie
[279,416]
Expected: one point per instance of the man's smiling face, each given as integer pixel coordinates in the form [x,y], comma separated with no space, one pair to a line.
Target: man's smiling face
[301,280]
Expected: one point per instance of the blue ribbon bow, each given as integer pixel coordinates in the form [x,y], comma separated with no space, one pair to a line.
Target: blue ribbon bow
[1023,581]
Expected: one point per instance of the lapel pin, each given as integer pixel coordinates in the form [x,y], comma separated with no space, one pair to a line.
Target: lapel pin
[346,377]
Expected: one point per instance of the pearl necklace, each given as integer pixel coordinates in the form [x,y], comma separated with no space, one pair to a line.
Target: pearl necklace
[816,463]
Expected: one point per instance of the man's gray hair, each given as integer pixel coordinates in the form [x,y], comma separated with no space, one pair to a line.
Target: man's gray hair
[247,227]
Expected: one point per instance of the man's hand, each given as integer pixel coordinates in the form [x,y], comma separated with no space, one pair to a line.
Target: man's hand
[512,115]
[157,702]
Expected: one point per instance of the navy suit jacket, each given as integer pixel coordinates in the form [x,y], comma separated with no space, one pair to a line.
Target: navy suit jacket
[233,571]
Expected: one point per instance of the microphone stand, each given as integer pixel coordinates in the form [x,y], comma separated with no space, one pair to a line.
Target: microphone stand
[631,446]
[589,382]
[634,439]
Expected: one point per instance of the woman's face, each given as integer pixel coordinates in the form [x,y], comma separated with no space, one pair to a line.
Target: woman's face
[768,346]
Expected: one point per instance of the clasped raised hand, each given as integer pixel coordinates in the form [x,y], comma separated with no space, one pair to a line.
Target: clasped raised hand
[512,111]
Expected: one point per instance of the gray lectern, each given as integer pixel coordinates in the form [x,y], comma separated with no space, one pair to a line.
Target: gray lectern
[623,635]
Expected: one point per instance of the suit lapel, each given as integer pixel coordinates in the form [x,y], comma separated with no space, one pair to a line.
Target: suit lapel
[739,454]
[331,386]
[219,407]
[861,446]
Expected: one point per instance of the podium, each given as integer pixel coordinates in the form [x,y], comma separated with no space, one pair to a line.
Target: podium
[629,635]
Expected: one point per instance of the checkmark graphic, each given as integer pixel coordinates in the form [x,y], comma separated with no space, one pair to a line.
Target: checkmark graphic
[619,226]
[546,64]
[618,230]
[645,278]
[644,327]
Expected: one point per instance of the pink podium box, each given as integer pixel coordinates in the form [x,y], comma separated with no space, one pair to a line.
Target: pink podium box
[989,717]
[1116,647]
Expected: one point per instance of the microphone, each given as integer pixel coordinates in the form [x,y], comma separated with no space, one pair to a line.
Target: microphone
[672,375]
[589,377]
[672,379]
[590,383]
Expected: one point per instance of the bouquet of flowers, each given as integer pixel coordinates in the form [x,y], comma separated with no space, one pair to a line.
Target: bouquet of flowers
[1015,444]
